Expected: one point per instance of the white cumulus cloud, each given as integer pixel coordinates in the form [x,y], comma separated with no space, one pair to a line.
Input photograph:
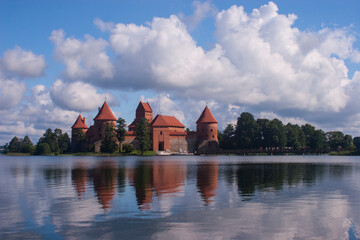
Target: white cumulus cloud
[23,63]
[83,59]
[11,93]
[77,96]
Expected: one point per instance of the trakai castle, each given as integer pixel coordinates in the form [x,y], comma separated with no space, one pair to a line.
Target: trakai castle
[166,132]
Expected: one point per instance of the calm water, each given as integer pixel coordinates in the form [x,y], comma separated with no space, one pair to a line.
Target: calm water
[227,197]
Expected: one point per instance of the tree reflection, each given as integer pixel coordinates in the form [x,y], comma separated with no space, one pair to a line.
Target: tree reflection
[141,179]
[54,175]
[274,176]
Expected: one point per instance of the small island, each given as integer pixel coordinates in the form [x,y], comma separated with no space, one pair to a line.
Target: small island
[166,135]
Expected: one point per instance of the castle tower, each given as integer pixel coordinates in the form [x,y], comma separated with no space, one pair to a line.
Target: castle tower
[206,126]
[80,125]
[142,111]
[105,115]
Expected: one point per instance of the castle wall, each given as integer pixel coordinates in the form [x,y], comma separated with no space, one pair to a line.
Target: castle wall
[191,140]
[178,144]
[160,137]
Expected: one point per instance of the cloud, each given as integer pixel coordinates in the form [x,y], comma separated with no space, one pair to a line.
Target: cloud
[202,11]
[103,26]
[162,104]
[259,63]
[11,93]
[23,63]
[83,59]
[34,116]
[260,60]
[77,96]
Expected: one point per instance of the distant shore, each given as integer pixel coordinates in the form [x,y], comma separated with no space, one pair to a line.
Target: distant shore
[152,153]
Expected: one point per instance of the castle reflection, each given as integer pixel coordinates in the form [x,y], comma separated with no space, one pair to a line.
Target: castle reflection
[167,179]
[160,178]
[207,180]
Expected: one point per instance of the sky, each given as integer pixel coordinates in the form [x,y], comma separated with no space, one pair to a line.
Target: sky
[298,61]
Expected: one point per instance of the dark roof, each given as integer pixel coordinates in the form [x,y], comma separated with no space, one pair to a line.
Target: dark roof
[80,123]
[166,121]
[105,113]
[206,117]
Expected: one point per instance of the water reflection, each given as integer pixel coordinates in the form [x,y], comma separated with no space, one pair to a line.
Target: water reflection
[89,197]
[207,180]
[156,178]
[149,178]
[79,178]
[163,179]
[103,177]
[55,174]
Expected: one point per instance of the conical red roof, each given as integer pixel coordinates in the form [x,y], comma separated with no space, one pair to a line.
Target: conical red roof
[105,113]
[206,117]
[166,121]
[80,123]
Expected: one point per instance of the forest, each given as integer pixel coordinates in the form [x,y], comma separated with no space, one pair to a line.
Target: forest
[251,134]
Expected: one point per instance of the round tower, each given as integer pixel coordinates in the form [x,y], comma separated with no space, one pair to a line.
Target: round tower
[206,126]
[79,125]
[104,116]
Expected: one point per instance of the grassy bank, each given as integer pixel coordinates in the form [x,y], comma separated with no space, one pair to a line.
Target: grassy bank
[345,153]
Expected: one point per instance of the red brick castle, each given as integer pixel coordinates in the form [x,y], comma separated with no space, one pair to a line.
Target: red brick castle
[167,132]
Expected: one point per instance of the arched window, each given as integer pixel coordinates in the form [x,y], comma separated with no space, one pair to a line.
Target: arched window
[160,132]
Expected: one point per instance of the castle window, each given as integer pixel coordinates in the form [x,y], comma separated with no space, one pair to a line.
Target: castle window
[160,132]
[211,130]
[213,136]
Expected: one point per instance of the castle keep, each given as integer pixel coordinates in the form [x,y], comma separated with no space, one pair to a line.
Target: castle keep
[167,133]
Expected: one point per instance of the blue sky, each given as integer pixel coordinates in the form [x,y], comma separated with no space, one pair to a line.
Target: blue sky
[294,60]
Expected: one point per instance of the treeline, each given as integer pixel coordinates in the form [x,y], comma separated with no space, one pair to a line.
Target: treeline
[51,142]
[265,134]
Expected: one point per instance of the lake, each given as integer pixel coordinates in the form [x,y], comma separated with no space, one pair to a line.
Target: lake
[180,197]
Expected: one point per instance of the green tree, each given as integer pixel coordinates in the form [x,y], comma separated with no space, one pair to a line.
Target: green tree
[79,139]
[27,146]
[57,141]
[335,140]
[226,140]
[121,131]
[142,134]
[108,144]
[43,148]
[264,139]
[128,147]
[50,138]
[357,142]
[64,143]
[319,141]
[14,145]
[347,142]
[309,132]
[277,133]
[247,131]
[295,136]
